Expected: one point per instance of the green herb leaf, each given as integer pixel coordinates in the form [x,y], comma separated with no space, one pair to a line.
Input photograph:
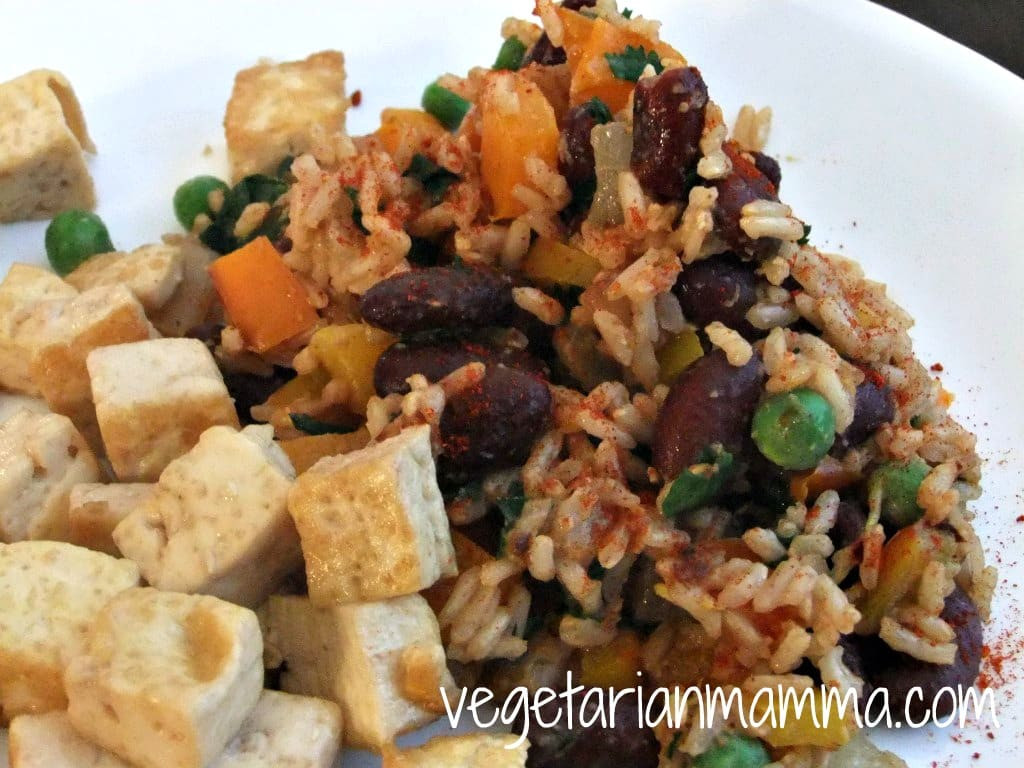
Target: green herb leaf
[627,13]
[511,507]
[447,106]
[598,110]
[357,212]
[311,426]
[630,64]
[807,235]
[510,55]
[257,188]
[434,178]
[673,746]
[699,483]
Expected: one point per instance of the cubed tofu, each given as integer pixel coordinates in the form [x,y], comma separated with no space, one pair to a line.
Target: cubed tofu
[153,400]
[22,291]
[50,593]
[218,521]
[166,680]
[372,522]
[274,108]
[42,457]
[472,750]
[282,731]
[356,655]
[99,317]
[42,141]
[191,304]
[151,272]
[96,509]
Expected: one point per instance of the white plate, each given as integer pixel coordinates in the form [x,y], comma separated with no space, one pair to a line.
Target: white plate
[902,148]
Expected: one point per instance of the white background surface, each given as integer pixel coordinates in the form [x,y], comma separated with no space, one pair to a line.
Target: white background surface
[900,147]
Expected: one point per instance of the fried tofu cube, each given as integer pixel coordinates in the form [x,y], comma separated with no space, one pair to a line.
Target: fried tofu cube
[372,522]
[283,730]
[99,317]
[165,680]
[373,659]
[153,400]
[217,522]
[50,593]
[192,301]
[42,144]
[274,108]
[42,457]
[494,750]
[151,272]
[96,509]
[22,291]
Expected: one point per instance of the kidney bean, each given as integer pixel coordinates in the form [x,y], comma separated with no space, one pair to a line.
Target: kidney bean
[719,288]
[900,673]
[595,747]
[576,153]
[544,52]
[436,298]
[249,389]
[769,166]
[668,119]
[711,402]
[849,525]
[743,185]
[435,361]
[873,407]
[492,425]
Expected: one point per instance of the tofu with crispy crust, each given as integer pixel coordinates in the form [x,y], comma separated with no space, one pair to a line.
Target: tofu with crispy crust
[49,595]
[151,272]
[165,680]
[372,522]
[217,522]
[42,144]
[274,108]
[493,750]
[99,317]
[96,509]
[153,400]
[42,457]
[382,662]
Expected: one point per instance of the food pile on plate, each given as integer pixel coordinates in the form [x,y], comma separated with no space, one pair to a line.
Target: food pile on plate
[542,379]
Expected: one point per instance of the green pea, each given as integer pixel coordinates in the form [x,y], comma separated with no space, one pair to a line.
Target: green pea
[72,237]
[193,198]
[447,106]
[794,429]
[895,485]
[511,54]
[734,750]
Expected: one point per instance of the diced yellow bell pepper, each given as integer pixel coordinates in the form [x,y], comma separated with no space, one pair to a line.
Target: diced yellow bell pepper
[306,451]
[306,386]
[551,261]
[829,475]
[349,353]
[614,665]
[829,733]
[903,561]
[681,351]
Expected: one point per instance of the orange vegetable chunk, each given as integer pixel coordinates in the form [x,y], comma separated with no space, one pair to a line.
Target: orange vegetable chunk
[398,126]
[263,299]
[516,122]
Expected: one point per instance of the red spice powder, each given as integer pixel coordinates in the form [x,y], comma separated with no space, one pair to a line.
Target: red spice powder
[357,98]
[937,367]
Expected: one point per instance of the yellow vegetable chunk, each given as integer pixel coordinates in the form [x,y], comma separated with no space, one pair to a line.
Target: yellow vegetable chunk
[681,351]
[412,127]
[830,732]
[349,353]
[304,452]
[552,262]
[614,665]
[517,122]
[306,386]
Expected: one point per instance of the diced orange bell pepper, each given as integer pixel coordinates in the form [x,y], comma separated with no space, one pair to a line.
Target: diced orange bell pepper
[398,126]
[576,29]
[306,451]
[829,475]
[261,295]
[592,77]
[510,134]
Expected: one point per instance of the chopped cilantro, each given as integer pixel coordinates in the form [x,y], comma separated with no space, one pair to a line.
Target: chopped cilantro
[700,483]
[627,13]
[434,178]
[357,212]
[257,188]
[630,64]
[311,426]
[511,507]
[807,235]
[598,110]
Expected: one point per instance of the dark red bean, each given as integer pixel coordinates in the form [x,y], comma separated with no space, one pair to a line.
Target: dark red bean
[743,185]
[720,288]
[575,152]
[873,407]
[575,5]
[850,522]
[900,673]
[544,52]
[769,166]
[249,389]
[437,298]
[492,425]
[435,361]
[627,743]
[711,402]
[668,119]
